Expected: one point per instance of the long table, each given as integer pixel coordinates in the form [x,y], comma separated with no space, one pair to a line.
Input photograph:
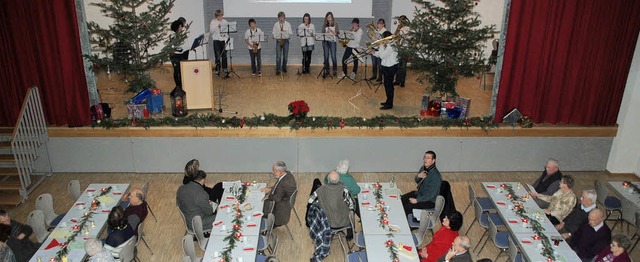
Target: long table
[627,192]
[246,249]
[522,233]
[73,217]
[375,236]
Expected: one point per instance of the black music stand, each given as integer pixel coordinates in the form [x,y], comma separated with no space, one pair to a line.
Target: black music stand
[302,33]
[347,35]
[198,42]
[323,37]
[365,79]
[230,27]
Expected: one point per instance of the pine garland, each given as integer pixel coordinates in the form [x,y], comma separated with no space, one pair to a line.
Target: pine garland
[82,223]
[319,122]
[236,232]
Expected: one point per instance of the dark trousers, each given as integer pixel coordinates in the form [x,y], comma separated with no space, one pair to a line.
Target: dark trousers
[375,63]
[402,71]
[215,192]
[389,73]
[306,61]
[348,53]
[553,220]
[256,59]
[175,62]
[408,206]
[218,49]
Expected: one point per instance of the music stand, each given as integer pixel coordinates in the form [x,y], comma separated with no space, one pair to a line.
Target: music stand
[302,33]
[323,37]
[228,28]
[198,42]
[347,35]
[366,58]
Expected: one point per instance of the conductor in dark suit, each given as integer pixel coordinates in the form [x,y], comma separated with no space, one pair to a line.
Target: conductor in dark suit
[280,193]
[194,201]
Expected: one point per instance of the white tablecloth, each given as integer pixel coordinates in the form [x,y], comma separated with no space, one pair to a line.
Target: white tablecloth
[374,235]
[250,228]
[627,192]
[525,233]
[75,214]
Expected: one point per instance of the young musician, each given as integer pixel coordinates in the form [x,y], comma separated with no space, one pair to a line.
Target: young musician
[305,31]
[388,55]
[351,45]
[252,38]
[402,30]
[281,32]
[375,61]
[178,55]
[329,47]
[219,41]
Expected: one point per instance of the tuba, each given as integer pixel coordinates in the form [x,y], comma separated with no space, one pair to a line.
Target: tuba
[371,30]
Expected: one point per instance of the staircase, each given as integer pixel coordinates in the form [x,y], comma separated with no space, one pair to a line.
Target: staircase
[9,178]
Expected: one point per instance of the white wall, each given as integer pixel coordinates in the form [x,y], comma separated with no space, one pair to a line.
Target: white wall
[625,151]
[253,8]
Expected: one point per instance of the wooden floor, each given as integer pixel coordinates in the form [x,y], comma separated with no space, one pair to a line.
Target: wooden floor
[252,95]
[164,236]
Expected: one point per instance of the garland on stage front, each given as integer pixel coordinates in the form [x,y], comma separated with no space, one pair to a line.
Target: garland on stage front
[270,120]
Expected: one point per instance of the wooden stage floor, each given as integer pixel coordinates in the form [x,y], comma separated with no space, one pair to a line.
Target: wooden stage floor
[252,95]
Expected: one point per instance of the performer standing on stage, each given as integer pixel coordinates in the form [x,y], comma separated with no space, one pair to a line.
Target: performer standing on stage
[351,46]
[178,54]
[388,55]
[329,47]
[306,41]
[252,38]
[402,30]
[282,32]
[219,42]
[375,61]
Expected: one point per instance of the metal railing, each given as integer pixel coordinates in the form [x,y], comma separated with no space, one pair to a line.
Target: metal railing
[29,135]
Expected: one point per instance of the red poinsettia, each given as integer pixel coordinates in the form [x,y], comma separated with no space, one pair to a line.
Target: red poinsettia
[298,109]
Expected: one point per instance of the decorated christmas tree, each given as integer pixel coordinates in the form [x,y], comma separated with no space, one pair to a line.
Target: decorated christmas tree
[445,43]
[139,39]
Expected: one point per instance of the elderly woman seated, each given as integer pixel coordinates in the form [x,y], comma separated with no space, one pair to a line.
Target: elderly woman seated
[121,232]
[96,253]
[443,238]
[616,252]
[561,202]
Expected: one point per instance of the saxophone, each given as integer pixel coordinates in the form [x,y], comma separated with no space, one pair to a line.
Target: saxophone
[256,45]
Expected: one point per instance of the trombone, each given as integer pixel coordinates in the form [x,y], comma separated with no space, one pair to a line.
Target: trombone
[372,47]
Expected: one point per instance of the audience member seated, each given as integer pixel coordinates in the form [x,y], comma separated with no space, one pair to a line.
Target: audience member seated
[192,167]
[18,240]
[335,200]
[441,240]
[280,193]
[348,181]
[616,252]
[96,253]
[549,182]
[428,182]
[193,201]
[136,210]
[589,239]
[6,254]
[561,202]
[459,251]
[579,215]
[120,232]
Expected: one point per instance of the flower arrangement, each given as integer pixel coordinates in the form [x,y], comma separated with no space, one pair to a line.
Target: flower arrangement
[298,109]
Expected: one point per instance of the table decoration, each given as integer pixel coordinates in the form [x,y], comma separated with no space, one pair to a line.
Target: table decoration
[235,235]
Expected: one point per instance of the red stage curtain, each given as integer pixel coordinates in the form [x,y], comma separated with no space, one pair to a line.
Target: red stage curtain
[568,61]
[40,45]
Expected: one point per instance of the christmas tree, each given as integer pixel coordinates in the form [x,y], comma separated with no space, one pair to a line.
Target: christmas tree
[139,26]
[446,42]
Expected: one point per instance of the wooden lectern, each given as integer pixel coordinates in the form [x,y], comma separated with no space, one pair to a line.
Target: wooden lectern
[197,82]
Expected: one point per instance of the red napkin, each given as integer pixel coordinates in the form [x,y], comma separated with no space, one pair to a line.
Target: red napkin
[393,196]
[217,223]
[248,249]
[252,225]
[501,203]
[54,243]
[407,247]
[223,206]
[491,186]
[365,203]
[86,238]
[106,211]
[526,242]
[513,221]
[74,220]
[364,191]
[91,190]
[118,193]
[80,204]
[230,198]
[257,214]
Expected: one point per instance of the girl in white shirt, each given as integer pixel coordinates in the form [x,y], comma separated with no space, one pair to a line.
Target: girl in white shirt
[330,26]
[306,31]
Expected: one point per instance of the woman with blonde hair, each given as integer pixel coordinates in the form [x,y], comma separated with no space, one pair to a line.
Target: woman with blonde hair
[192,167]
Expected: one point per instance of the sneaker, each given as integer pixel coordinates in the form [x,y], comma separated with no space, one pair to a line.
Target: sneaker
[372,78]
[352,75]
[259,74]
[253,73]
[335,73]
[277,73]
[342,75]
[217,73]
[284,70]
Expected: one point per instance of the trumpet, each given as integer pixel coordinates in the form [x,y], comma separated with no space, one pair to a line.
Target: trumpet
[255,47]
